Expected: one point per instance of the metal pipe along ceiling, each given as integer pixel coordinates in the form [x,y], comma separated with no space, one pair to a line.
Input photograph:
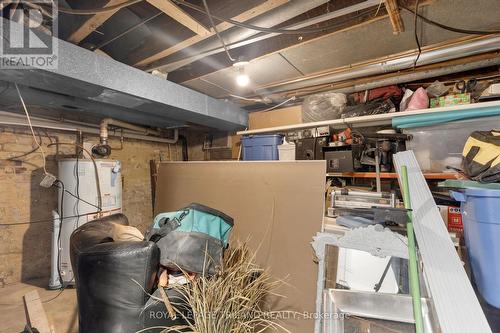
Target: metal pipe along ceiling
[477,46]
[12,119]
[420,75]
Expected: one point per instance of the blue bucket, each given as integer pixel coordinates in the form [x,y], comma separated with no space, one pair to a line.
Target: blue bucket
[481,219]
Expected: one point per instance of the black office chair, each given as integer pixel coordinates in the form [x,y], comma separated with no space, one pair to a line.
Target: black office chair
[113,280]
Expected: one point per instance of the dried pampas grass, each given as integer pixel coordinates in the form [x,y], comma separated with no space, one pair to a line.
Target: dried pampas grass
[233,300]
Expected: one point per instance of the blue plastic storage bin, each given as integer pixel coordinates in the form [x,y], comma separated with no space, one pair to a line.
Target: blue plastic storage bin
[261,147]
[481,219]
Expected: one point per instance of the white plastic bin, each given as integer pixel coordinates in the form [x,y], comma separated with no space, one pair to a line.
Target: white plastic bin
[286,151]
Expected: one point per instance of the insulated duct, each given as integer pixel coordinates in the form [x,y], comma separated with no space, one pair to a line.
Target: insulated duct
[396,63]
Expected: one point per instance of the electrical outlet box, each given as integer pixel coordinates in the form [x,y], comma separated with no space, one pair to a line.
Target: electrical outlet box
[48,180]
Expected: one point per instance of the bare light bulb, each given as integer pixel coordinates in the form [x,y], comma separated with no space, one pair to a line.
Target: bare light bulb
[242,80]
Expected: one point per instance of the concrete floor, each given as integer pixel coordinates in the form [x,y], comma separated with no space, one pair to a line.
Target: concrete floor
[61,311]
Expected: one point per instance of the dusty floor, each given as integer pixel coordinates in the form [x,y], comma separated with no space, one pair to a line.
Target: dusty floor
[61,311]
[62,314]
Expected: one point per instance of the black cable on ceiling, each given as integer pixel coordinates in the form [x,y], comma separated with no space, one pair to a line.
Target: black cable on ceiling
[257,28]
[95,11]
[214,27]
[263,29]
[417,41]
[447,27]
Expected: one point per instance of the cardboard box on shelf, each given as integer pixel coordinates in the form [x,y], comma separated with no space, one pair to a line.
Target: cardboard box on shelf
[449,100]
[278,117]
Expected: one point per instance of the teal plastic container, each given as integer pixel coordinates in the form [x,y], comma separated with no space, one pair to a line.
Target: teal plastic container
[481,220]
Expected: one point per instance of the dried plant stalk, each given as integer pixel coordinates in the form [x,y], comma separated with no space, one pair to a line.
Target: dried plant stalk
[232,301]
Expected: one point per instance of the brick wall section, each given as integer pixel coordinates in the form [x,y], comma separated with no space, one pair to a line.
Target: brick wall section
[25,248]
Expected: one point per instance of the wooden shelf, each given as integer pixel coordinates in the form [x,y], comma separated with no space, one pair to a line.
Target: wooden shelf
[372,120]
[393,175]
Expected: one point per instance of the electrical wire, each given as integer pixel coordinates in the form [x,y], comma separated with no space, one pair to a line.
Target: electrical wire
[417,41]
[207,12]
[263,29]
[78,180]
[31,128]
[202,10]
[61,216]
[95,11]
[447,27]
[47,220]
[56,296]
[259,100]
[14,158]
[98,185]
[123,33]
[82,200]
[280,104]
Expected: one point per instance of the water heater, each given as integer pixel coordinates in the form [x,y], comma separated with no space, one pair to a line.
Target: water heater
[92,189]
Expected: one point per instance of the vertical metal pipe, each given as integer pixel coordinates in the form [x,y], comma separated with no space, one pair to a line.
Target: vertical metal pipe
[55,282]
[412,255]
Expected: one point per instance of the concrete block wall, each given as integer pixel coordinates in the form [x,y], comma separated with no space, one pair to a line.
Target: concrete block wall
[25,247]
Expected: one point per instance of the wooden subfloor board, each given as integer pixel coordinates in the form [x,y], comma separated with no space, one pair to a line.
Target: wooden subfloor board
[36,313]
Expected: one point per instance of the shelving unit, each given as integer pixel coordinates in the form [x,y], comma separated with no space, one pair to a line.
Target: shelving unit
[393,175]
[373,120]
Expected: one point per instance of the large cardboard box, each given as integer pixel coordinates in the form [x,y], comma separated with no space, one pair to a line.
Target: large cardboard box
[277,207]
[278,117]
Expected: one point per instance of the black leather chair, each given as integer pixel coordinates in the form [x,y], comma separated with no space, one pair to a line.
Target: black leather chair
[113,280]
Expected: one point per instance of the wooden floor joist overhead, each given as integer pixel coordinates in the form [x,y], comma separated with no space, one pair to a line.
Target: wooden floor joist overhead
[180,16]
[245,16]
[394,16]
[92,23]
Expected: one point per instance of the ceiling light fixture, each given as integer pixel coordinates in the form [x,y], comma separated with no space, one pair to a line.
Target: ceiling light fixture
[242,78]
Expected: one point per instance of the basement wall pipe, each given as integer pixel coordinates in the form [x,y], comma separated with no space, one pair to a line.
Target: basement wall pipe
[477,46]
[103,130]
[11,119]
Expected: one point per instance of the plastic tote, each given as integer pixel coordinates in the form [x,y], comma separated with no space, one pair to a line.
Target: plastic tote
[481,219]
[261,147]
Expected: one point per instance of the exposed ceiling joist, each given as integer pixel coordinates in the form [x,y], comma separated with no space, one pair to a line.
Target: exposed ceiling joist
[262,48]
[245,16]
[394,16]
[180,16]
[92,23]
[241,36]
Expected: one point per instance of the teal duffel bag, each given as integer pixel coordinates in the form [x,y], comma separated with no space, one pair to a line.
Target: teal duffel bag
[192,239]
